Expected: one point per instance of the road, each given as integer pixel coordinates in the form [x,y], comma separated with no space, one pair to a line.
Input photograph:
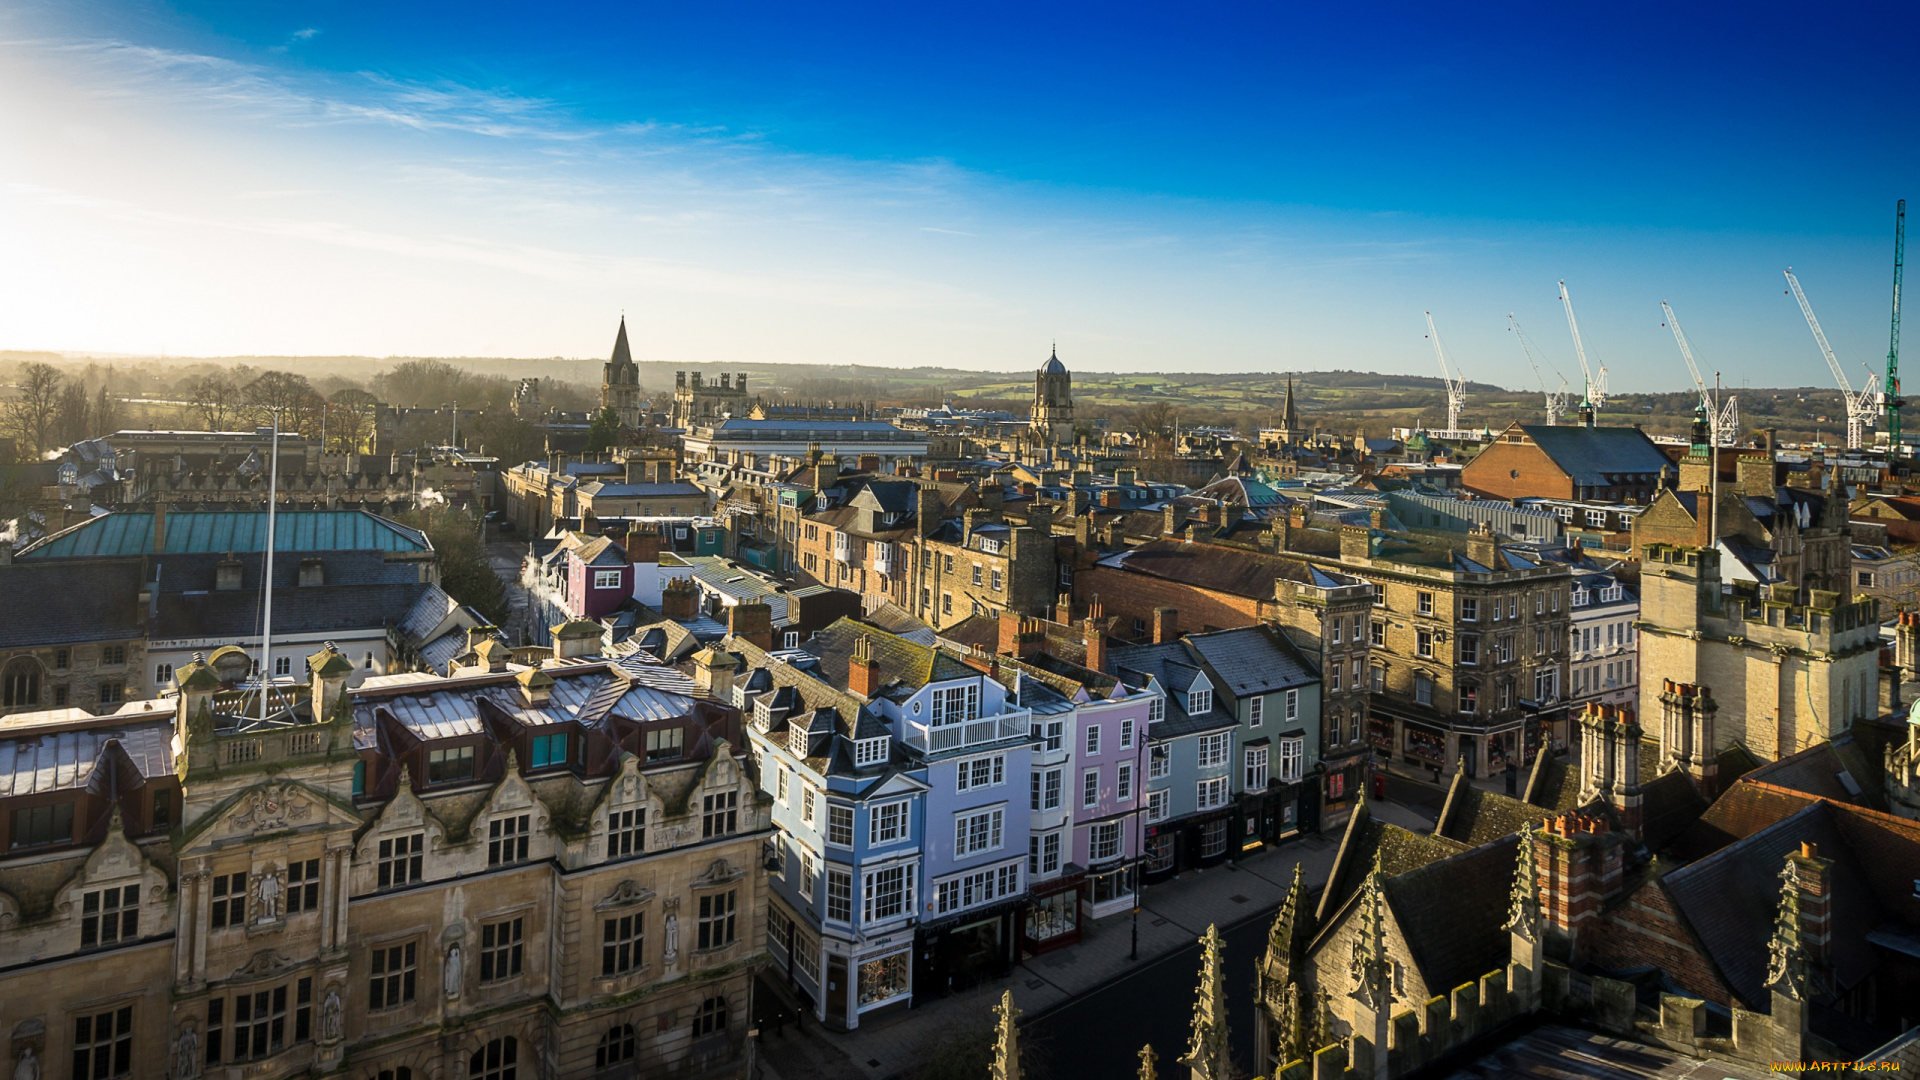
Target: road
[505,556]
[1101,1034]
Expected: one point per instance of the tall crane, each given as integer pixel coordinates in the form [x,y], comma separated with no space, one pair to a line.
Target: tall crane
[1893,344]
[1456,388]
[1596,388]
[1862,406]
[1556,399]
[1723,420]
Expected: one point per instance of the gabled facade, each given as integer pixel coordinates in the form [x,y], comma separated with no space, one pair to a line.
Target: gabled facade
[371,878]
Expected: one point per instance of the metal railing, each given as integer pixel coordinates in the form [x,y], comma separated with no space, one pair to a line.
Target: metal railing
[941,738]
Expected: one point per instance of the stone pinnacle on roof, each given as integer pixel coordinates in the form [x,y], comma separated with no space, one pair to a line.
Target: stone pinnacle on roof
[1207,1054]
[1370,946]
[1147,1060]
[1006,1040]
[1786,958]
[1523,917]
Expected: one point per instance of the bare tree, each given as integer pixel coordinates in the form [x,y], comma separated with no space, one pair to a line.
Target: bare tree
[350,416]
[76,413]
[215,398]
[416,383]
[106,412]
[33,414]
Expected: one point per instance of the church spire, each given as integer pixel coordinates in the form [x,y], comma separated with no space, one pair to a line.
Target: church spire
[621,354]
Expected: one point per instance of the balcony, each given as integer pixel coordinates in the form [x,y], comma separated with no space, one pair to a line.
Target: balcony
[931,739]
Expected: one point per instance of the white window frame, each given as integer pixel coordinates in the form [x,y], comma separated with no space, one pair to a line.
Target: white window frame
[606,579]
[1126,734]
[956,704]
[1256,709]
[1159,805]
[1156,710]
[1210,794]
[1293,756]
[1159,762]
[1104,842]
[1199,702]
[834,903]
[992,824]
[971,774]
[870,893]
[1123,782]
[1256,772]
[1213,749]
[1093,740]
[889,822]
[839,817]
[1089,789]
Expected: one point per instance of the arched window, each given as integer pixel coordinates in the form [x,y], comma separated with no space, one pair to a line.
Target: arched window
[616,1046]
[401,1073]
[498,1060]
[21,683]
[712,1017]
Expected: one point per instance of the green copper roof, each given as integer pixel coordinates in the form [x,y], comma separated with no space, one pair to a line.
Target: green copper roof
[190,532]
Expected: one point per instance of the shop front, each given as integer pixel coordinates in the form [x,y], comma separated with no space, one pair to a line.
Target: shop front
[883,979]
[1110,889]
[971,948]
[1161,855]
[1341,784]
[1424,746]
[1053,917]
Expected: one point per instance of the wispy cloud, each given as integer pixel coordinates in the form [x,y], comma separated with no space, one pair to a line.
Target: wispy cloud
[306,34]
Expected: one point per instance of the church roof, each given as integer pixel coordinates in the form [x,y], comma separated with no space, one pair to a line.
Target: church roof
[1053,366]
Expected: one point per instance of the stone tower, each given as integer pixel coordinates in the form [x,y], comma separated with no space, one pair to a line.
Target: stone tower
[620,382]
[1052,422]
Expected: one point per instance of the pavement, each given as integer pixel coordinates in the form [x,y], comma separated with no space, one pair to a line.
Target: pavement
[505,557]
[1172,917]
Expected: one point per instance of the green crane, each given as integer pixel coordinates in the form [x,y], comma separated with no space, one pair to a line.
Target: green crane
[1893,346]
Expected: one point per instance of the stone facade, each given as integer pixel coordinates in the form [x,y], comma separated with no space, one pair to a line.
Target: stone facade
[619,382]
[437,893]
[1052,423]
[697,402]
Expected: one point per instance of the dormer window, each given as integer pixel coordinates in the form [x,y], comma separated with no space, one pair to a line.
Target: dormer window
[797,741]
[665,744]
[870,751]
[1156,710]
[991,547]
[1199,702]
[450,766]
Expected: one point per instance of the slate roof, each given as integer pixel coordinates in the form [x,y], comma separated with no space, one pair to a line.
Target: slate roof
[1253,660]
[131,533]
[311,610]
[1823,770]
[608,489]
[1221,569]
[64,760]
[897,620]
[427,613]
[902,663]
[1399,852]
[1730,899]
[1474,816]
[1451,910]
[1742,810]
[50,603]
[1591,455]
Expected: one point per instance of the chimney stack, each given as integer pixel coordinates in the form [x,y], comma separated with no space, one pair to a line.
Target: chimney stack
[863,672]
[680,600]
[1166,625]
[752,623]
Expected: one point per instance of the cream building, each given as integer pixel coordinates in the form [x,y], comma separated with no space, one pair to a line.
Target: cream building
[513,873]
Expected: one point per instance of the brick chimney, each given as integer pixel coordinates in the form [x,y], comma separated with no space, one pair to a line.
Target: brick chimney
[680,600]
[159,527]
[863,672]
[1112,498]
[869,463]
[643,544]
[751,623]
[1166,625]
[926,511]
[1063,608]
[1580,866]
[1096,641]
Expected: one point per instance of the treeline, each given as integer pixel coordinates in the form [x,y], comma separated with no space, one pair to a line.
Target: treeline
[49,408]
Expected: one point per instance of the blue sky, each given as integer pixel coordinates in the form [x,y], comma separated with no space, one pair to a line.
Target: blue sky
[1159,187]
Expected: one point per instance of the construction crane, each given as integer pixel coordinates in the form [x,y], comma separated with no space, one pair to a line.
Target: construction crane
[1557,400]
[1723,419]
[1862,406]
[1893,344]
[1456,388]
[1596,388]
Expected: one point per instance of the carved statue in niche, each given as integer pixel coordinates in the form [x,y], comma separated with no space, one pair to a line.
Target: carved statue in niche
[186,1054]
[267,891]
[28,1067]
[450,979]
[330,1016]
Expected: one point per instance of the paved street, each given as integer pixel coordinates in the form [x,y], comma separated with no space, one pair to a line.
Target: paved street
[505,556]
